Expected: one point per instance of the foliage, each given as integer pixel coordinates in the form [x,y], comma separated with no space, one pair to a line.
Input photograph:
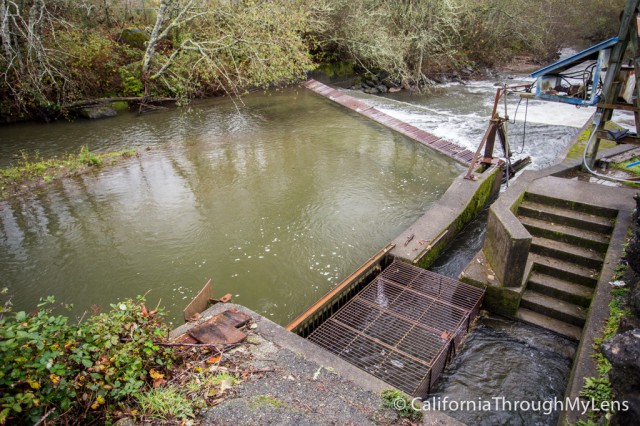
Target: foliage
[403,38]
[89,158]
[29,168]
[54,52]
[599,388]
[405,409]
[51,367]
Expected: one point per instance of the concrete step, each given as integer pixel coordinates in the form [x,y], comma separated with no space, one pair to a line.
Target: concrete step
[567,252]
[554,308]
[569,217]
[560,289]
[562,328]
[565,270]
[597,210]
[566,234]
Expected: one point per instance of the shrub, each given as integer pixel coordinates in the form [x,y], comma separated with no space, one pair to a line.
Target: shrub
[49,367]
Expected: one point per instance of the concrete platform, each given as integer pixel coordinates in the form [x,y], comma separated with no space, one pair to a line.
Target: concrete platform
[302,385]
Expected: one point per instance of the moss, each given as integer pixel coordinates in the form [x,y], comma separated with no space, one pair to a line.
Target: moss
[134,37]
[259,401]
[577,149]
[470,211]
[623,166]
[120,106]
[501,300]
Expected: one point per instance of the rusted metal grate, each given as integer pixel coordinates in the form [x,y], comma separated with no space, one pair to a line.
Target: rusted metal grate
[403,326]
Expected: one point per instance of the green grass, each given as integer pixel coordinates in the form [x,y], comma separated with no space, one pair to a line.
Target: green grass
[404,410]
[31,168]
[165,403]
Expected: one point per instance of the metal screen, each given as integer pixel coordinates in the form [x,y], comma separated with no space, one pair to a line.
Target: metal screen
[403,327]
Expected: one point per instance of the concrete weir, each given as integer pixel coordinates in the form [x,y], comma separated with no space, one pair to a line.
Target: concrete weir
[441,145]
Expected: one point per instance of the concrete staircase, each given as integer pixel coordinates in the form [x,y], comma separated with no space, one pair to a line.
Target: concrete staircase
[569,244]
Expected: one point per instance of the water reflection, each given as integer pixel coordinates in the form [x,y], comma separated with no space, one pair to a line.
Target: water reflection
[276,200]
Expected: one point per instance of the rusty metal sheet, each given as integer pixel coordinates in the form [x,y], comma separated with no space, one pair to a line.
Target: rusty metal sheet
[200,302]
[185,338]
[218,330]
[236,318]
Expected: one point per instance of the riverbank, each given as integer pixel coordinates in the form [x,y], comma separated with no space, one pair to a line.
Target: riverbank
[32,171]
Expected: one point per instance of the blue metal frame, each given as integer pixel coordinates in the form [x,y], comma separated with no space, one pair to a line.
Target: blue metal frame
[576,58]
[594,52]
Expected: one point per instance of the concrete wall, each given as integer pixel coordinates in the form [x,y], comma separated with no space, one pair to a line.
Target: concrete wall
[506,245]
[424,241]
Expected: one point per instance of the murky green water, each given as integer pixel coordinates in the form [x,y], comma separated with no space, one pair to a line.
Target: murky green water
[277,200]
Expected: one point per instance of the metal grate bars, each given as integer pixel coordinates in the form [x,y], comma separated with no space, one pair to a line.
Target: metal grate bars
[403,326]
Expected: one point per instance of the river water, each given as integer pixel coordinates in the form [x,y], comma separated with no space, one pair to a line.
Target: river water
[276,199]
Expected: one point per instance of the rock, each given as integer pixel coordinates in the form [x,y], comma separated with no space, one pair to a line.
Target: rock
[623,351]
[467,71]
[382,75]
[95,112]
[387,82]
[370,83]
[134,37]
[125,422]
[371,90]
[630,416]
[633,252]
[382,88]
[628,323]
[394,89]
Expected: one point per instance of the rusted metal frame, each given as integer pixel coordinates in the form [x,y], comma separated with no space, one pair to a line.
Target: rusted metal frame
[636,66]
[434,299]
[375,281]
[429,276]
[427,373]
[381,328]
[381,343]
[357,274]
[625,107]
[487,133]
[493,121]
[404,318]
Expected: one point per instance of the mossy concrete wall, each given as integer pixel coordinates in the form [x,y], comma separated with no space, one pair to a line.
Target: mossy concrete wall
[424,241]
[497,298]
[506,245]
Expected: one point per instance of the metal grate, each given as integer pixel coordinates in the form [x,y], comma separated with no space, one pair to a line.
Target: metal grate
[403,327]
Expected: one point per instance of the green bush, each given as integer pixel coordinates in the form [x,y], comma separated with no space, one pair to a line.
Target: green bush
[49,366]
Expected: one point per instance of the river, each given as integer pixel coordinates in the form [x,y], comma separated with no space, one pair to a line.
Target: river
[276,199]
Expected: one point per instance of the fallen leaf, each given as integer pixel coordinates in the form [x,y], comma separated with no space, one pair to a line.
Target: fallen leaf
[159,382]
[155,375]
[214,359]
[224,385]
